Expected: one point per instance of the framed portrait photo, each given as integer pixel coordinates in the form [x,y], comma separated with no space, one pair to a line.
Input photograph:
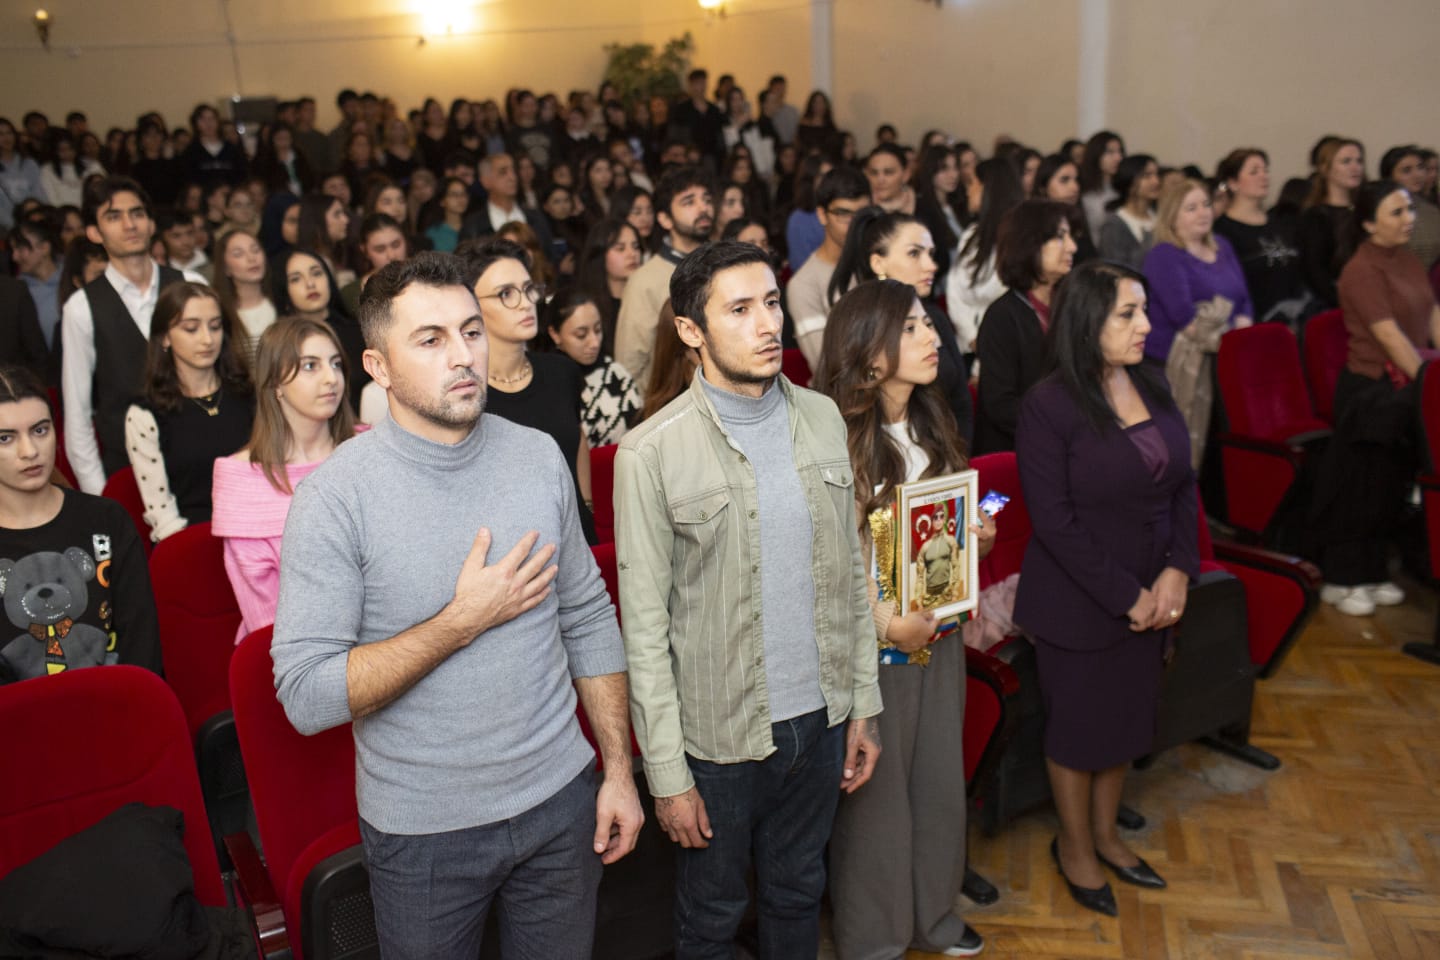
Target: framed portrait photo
[938,560]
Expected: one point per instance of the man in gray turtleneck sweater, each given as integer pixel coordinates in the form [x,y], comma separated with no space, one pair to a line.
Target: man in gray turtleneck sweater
[456,668]
[753,669]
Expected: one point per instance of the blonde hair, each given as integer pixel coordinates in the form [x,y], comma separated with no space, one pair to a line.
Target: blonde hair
[1169,209]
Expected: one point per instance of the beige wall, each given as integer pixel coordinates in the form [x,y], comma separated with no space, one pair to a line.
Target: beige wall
[1184,81]
[975,68]
[1274,74]
[115,59]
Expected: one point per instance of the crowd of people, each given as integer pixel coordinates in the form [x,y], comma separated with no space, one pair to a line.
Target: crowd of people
[348,342]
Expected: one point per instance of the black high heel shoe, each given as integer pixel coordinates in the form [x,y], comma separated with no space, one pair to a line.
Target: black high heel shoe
[1101,899]
[1141,875]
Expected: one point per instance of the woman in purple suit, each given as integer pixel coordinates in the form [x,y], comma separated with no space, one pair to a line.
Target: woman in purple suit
[1105,466]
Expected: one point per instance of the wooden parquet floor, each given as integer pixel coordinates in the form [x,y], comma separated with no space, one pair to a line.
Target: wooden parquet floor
[1336,854]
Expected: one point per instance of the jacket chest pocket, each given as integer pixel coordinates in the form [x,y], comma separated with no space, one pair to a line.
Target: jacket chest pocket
[702,520]
[837,481]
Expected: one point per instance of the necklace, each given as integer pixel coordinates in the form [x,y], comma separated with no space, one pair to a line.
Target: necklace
[210,404]
[515,379]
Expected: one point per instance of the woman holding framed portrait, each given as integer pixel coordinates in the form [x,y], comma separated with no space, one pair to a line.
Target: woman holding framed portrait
[897,852]
[1104,460]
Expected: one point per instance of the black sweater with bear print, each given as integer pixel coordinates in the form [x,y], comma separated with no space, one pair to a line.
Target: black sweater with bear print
[76,592]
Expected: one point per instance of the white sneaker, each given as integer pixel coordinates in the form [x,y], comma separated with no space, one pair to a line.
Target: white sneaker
[1356,603]
[1333,593]
[1385,594]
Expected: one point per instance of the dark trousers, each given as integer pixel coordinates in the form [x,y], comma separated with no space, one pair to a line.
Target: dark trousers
[1371,460]
[432,892]
[778,810]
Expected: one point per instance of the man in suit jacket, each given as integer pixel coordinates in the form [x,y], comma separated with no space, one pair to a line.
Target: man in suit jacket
[502,203]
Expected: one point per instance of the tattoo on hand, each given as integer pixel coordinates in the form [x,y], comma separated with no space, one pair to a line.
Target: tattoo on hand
[872,729]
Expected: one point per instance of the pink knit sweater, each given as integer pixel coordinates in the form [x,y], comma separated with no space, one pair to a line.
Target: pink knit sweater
[250,516]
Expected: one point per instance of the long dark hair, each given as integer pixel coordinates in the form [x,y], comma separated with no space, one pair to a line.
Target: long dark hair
[590,271]
[1130,172]
[1082,304]
[929,206]
[871,231]
[162,382]
[280,284]
[1091,177]
[19,383]
[1049,166]
[1003,193]
[314,234]
[865,324]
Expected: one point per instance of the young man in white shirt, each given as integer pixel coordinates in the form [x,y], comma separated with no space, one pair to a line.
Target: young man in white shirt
[104,358]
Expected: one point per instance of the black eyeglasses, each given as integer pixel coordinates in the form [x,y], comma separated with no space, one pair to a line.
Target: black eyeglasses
[509,296]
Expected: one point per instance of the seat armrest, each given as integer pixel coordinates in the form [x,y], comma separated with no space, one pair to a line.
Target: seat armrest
[1288,452]
[257,894]
[336,913]
[994,672]
[1302,571]
[1309,437]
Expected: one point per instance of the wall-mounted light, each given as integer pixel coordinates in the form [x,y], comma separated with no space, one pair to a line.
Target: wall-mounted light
[42,27]
[441,18]
[716,7]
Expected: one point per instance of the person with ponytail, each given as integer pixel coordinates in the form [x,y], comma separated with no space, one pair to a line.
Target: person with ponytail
[884,245]
[974,284]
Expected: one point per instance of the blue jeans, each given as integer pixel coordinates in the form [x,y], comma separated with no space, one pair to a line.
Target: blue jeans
[779,810]
[432,892]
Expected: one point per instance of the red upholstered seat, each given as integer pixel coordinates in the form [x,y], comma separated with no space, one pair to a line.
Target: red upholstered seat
[795,368]
[998,472]
[1270,419]
[303,788]
[604,554]
[86,742]
[1430,491]
[602,491]
[1326,346]
[121,488]
[198,619]
[1280,592]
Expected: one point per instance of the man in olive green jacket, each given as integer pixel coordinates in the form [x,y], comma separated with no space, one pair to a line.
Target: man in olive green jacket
[751,647]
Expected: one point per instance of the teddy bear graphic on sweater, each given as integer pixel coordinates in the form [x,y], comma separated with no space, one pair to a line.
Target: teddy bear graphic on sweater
[45,593]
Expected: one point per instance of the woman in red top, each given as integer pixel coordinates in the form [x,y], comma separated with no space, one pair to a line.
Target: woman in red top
[1391,316]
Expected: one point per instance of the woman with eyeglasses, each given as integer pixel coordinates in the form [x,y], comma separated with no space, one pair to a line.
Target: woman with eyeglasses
[538,390]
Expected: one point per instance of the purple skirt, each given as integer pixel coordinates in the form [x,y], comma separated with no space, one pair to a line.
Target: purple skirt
[1101,705]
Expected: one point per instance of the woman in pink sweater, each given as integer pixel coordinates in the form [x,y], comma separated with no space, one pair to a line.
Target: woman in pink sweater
[300,417]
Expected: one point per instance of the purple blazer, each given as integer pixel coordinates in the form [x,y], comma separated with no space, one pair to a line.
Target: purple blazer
[1103,527]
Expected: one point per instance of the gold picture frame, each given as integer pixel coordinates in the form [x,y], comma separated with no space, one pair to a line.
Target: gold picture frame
[938,571]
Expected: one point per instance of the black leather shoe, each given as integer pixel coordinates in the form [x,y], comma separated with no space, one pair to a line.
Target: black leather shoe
[978,889]
[1100,899]
[1141,875]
